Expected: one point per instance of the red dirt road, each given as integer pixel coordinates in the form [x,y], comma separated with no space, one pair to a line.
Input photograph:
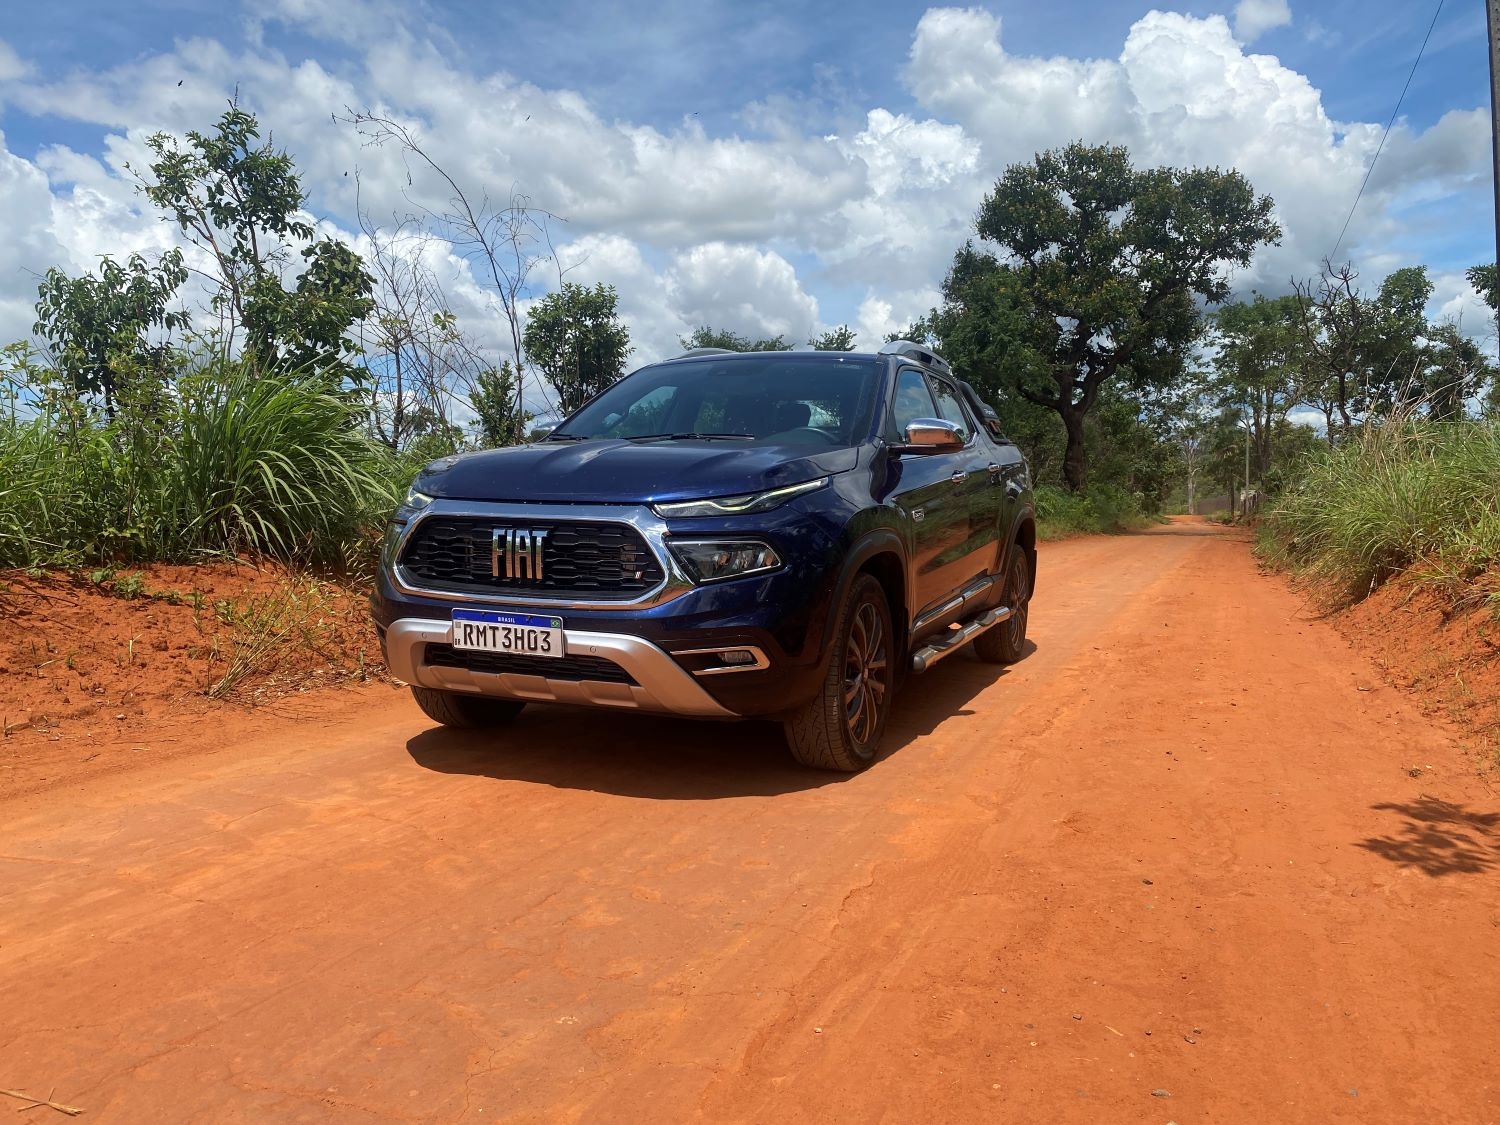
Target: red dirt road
[1174,866]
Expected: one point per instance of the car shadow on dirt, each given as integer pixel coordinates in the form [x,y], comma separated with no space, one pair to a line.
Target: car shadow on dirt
[659,758]
[1439,838]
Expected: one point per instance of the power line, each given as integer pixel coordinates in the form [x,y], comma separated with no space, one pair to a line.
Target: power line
[1380,147]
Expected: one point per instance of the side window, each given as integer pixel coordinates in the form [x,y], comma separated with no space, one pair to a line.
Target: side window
[913,401]
[950,409]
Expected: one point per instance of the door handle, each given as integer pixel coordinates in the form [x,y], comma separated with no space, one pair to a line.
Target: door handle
[959,476]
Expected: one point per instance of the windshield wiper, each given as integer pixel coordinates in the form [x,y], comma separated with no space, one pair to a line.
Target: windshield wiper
[564,437]
[693,437]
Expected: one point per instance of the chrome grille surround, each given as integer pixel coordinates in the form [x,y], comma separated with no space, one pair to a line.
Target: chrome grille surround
[670,582]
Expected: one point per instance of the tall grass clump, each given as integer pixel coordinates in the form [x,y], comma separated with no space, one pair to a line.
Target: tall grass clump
[229,461]
[54,491]
[274,465]
[1387,497]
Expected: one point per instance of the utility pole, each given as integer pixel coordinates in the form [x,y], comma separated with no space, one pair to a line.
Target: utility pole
[1492,16]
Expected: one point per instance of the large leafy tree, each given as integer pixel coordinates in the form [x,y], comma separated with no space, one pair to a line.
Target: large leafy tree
[1097,270]
[706,337]
[239,200]
[575,339]
[103,328]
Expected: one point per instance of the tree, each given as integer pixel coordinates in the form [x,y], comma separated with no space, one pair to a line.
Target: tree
[1377,356]
[498,421]
[1258,367]
[1132,445]
[418,361]
[100,327]
[240,202]
[575,339]
[707,337]
[840,339]
[1394,353]
[502,243]
[1099,269]
[1482,278]
[1452,371]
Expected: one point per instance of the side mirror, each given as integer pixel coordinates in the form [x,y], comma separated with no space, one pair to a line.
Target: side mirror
[932,435]
[540,431]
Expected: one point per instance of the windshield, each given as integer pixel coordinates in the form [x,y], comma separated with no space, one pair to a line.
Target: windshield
[785,398]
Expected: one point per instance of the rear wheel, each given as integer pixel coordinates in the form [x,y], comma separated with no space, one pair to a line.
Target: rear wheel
[465,712]
[1005,643]
[841,728]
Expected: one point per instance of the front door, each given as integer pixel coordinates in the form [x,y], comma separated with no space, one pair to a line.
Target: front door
[933,490]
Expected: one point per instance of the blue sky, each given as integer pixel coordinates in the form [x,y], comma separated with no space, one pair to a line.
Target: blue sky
[710,57]
[772,166]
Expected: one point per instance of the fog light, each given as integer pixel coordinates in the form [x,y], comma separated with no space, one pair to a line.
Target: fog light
[722,661]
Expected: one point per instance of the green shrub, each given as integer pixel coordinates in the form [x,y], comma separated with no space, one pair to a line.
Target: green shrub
[1103,509]
[1387,497]
[272,465]
[56,491]
[231,462]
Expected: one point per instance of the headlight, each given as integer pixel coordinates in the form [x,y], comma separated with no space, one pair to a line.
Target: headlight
[737,505]
[714,560]
[415,501]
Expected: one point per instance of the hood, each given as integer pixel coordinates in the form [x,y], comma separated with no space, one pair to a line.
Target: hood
[610,471]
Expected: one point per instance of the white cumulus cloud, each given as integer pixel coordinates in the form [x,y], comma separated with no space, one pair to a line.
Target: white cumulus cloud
[783,232]
[1253,18]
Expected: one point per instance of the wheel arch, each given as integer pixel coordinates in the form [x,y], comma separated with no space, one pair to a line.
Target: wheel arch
[1025,539]
[1022,536]
[882,554]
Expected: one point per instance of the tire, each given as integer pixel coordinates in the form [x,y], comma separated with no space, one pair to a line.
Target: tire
[1006,642]
[465,712]
[842,726]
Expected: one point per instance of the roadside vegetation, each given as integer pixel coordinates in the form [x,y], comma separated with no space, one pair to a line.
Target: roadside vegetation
[1103,510]
[266,392]
[1402,494]
[234,461]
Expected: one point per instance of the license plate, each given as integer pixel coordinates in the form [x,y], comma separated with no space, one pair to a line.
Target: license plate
[523,634]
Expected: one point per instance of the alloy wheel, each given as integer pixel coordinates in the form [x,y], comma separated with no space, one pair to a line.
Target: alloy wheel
[866,671]
[1018,597]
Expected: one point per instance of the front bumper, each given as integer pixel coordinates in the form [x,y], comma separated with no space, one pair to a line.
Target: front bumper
[781,615]
[660,683]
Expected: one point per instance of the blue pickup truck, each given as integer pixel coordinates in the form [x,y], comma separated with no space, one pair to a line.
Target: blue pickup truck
[783,535]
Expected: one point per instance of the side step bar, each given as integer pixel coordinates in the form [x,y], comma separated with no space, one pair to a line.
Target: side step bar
[955,639]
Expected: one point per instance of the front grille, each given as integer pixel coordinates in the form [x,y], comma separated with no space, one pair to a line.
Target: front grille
[572,668]
[589,560]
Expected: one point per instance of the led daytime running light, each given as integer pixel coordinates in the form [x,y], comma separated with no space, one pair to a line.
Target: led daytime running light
[738,505]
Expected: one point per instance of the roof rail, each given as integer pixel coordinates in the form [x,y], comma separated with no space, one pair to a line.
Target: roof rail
[692,352]
[917,352]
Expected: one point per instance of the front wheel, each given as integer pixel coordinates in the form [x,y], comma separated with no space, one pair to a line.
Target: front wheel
[1006,642]
[841,728]
[465,712]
